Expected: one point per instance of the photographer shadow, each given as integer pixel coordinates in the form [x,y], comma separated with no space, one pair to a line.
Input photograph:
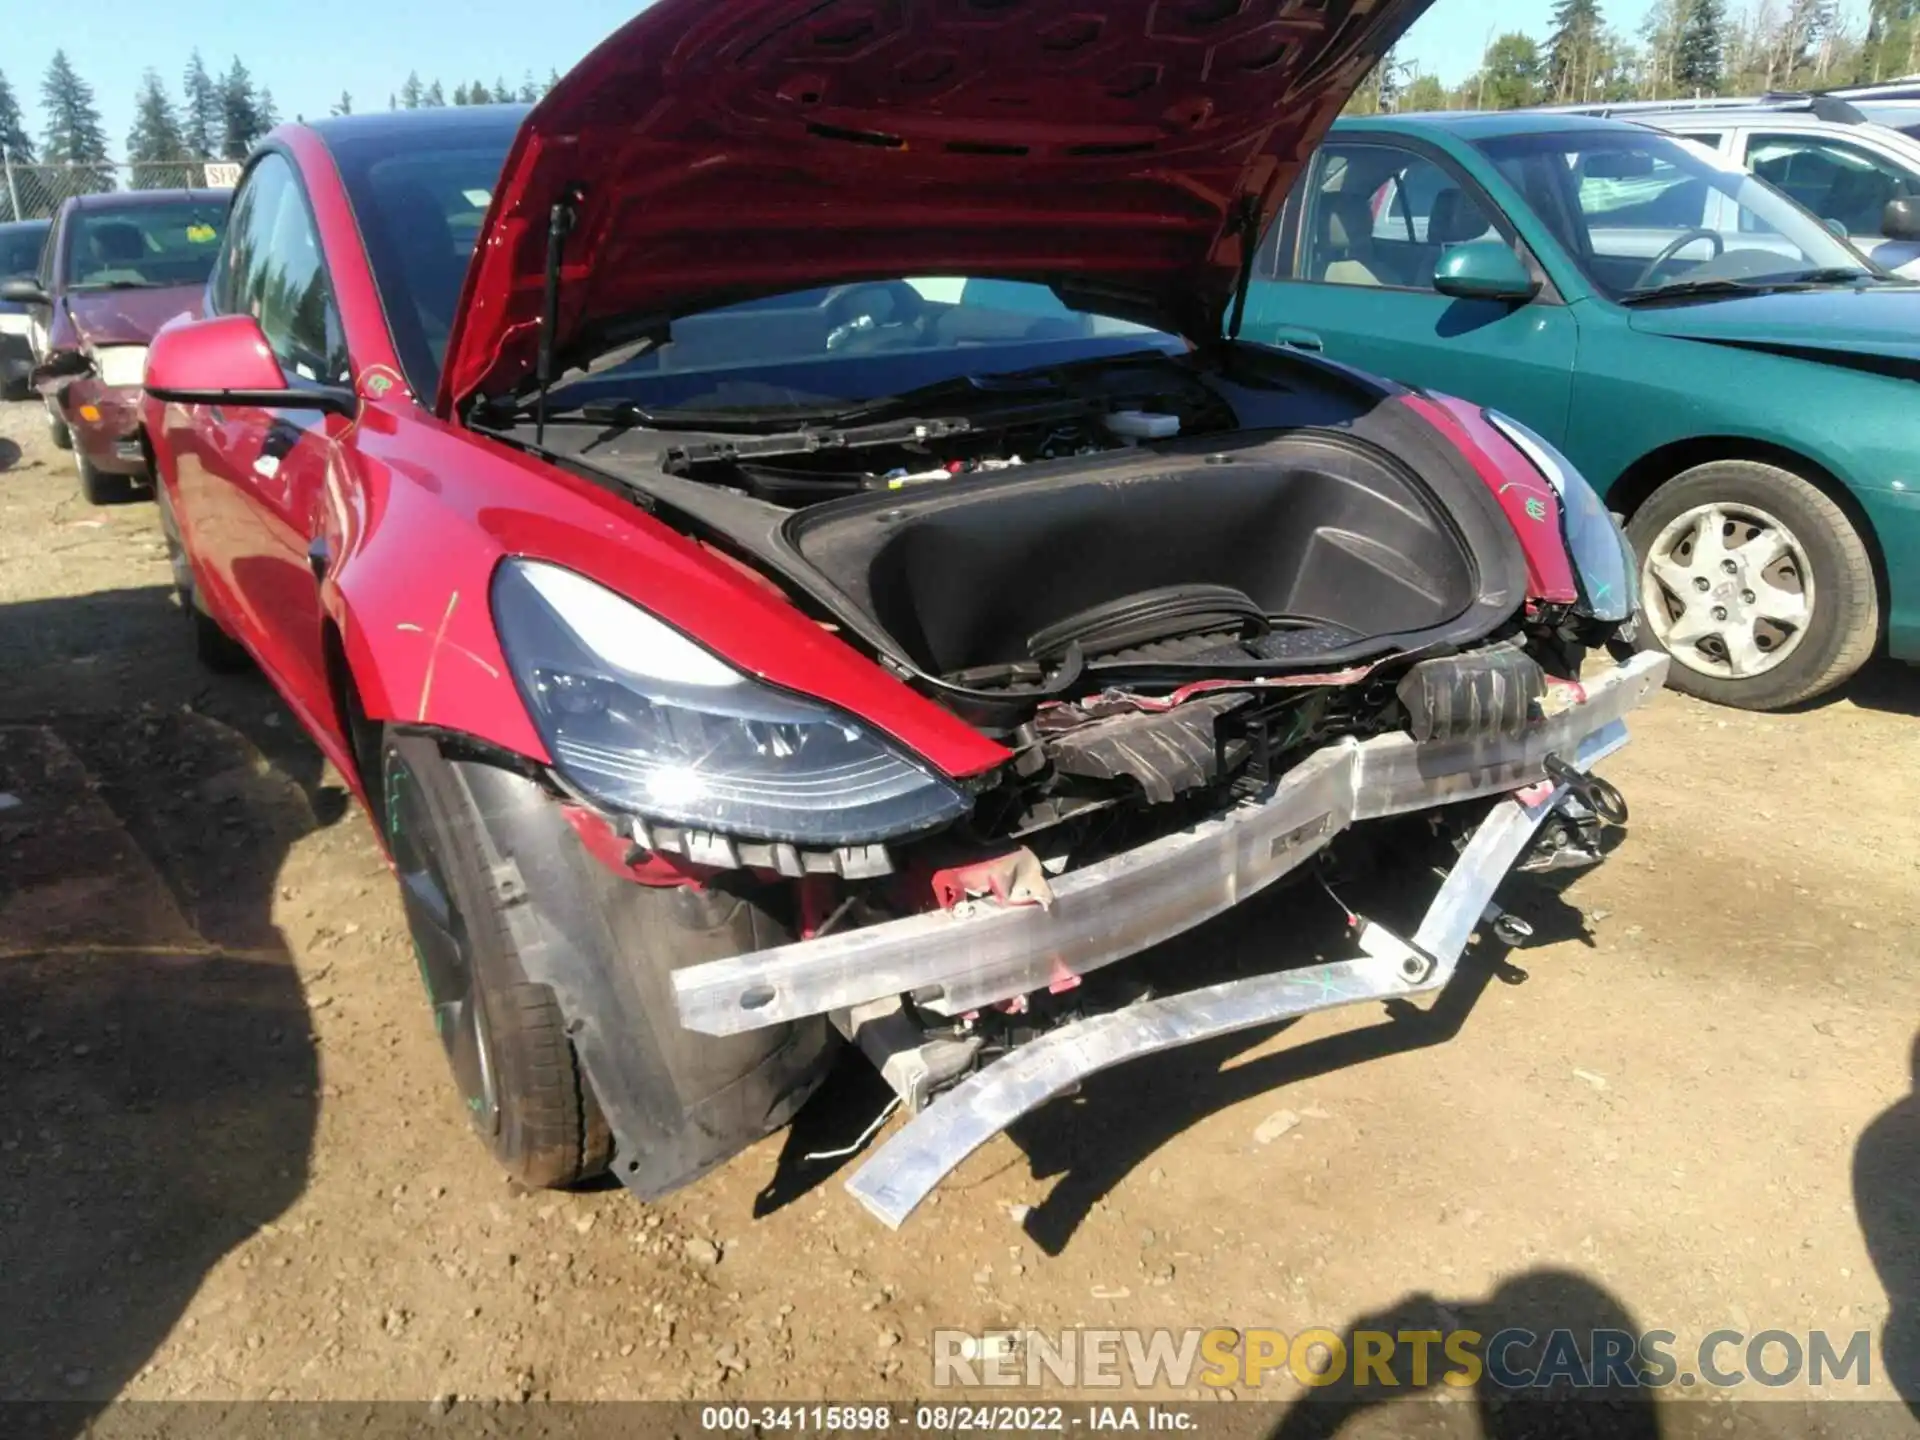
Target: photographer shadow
[1537,1303]
[1886,1197]
[161,1077]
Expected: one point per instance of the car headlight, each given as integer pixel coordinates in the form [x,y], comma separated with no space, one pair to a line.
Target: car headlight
[121,364]
[644,720]
[1603,559]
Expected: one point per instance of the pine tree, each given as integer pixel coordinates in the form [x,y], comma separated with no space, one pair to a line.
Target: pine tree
[529,90]
[553,79]
[344,105]
[1573,48]
[74,135]
[269,112]
[241,123]
[411,93]
[460,94]
[15,140]
[200,123]
[1699,61]
[156,148]
[502,92]
[434,96]
[13,129]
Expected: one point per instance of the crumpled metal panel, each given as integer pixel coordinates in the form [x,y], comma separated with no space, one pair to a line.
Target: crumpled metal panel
[905,1170]
[1121,906]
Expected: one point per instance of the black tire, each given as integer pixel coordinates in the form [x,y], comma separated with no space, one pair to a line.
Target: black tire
[99,487]
[1843,623]
[213,647]
[505,1036]
[57,430]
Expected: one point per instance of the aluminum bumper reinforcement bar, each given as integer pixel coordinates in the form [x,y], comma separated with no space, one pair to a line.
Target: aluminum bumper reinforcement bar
[904,1171]
[1108,911]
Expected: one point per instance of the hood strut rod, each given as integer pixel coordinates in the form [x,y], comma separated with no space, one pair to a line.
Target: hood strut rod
[1247,223]
[559,225]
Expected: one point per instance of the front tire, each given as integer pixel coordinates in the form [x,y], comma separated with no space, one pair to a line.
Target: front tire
[97,486]
[1756,583]
[57,430]
[212,646]
[505,1037]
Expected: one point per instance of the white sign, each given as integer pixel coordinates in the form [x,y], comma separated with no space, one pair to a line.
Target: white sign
[223,174]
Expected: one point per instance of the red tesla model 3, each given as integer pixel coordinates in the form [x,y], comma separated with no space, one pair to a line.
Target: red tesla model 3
[786,545]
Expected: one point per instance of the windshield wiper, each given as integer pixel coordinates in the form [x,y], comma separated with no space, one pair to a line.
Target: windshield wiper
[627,414]
[1709,289]
[118,285]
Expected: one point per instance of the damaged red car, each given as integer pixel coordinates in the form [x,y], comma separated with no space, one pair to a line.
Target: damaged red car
[785,542]
[116,267]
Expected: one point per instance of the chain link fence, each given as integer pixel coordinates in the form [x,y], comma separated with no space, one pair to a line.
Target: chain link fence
[33,192]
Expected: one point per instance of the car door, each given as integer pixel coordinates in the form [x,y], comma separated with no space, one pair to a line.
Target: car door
[40,317]
[259,482]
[1348,272]
[1844,182]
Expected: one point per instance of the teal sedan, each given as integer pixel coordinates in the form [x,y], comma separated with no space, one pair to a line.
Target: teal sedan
[1735,379]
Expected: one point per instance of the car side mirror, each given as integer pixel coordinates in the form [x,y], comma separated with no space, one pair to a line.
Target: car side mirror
[1484,270]
[1901,219]
[227,361]
[24,292]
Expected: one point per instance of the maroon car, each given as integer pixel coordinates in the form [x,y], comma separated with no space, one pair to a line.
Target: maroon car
[118,267]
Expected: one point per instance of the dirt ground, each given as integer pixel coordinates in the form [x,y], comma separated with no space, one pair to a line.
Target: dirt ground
[231,1165]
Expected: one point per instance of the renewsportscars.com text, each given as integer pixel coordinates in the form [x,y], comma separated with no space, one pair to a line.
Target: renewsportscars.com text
[1511,1359]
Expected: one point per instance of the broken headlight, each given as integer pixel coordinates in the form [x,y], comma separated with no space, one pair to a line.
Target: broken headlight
[641,718]
[1603,559]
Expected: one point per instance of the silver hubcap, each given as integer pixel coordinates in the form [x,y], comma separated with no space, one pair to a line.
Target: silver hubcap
[1729,591]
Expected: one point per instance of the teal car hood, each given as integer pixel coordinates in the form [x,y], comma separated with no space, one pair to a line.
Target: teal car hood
[1881,322]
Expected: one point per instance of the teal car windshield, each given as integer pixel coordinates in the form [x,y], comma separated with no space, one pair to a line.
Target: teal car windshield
[1647,216]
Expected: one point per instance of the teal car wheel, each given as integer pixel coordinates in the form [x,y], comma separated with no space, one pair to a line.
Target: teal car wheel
[1756,584]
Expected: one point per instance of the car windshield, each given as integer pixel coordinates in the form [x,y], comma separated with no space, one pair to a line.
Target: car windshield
[20,249]
[1645,215]
[419,205]
[420,209]
[171,242]
[832,347]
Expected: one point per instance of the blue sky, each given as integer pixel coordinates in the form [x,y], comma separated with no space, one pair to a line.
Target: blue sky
[307,54]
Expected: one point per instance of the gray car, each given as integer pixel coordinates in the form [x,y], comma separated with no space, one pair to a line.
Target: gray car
[20,245]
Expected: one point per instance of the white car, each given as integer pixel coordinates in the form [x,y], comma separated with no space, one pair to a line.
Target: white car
[1822,151]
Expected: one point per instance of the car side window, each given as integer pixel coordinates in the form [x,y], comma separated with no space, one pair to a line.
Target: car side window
[221,287]
[1381,216]
[273,270]
[1834,179]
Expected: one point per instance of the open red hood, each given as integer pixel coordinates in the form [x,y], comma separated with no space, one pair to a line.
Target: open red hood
[725,148]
